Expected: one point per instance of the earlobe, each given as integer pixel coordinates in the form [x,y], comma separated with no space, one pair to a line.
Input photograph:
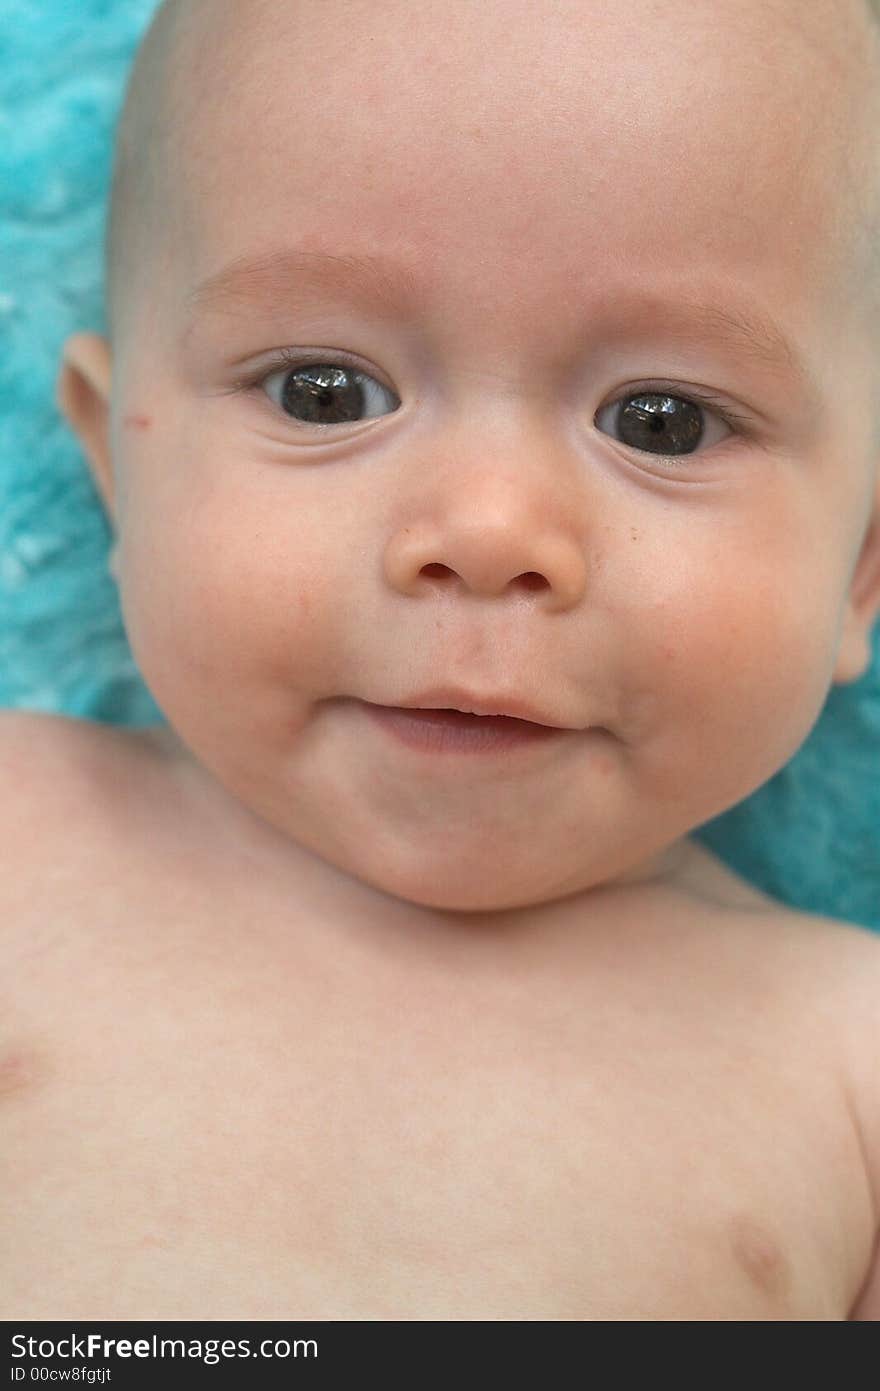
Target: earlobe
[853,653]
[83,395]
[863,607]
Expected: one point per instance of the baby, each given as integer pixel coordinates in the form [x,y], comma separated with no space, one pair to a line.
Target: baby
[490,432]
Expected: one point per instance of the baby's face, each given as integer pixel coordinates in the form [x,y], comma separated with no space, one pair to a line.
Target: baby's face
[544,460]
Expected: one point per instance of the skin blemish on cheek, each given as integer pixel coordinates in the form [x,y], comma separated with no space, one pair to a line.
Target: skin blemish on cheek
[137,422]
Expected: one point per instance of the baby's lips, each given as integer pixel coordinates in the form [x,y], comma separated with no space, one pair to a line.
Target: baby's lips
[467,703]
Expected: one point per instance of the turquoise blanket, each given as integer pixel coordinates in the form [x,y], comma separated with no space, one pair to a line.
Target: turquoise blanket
[810,836]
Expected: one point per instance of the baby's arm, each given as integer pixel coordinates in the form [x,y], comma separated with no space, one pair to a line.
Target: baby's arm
[868,1304]
[864,1060]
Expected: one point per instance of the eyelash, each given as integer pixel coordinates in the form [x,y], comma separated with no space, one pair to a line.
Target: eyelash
[289,357]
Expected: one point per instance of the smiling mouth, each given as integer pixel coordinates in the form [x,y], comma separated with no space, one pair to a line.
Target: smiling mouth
[447,730]
[453,717]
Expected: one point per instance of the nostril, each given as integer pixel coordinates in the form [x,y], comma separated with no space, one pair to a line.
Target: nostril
[530,579]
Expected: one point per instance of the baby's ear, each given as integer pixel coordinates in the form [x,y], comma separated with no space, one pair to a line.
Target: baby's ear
[862,607]
[83,394]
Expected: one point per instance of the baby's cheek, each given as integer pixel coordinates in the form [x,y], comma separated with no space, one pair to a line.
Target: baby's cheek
[755,658]
[723,648]
[229,601]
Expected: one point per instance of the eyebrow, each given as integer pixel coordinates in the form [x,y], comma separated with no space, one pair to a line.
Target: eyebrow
[268,278]
[752,333]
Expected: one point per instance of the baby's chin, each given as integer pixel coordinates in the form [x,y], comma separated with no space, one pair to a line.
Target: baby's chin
[447,894]
[461,873]
[481,885]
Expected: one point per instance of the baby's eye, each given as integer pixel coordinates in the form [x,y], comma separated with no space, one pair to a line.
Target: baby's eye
[324,393]
[657,422]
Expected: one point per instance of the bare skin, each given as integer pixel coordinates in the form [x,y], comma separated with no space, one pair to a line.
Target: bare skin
[298,1024]
[268,1101]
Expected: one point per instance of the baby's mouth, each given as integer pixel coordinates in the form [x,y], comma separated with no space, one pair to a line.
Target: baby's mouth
[485,705]
[448,730]
[451,716]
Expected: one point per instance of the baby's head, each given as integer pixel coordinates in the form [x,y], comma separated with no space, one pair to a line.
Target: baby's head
[579,411]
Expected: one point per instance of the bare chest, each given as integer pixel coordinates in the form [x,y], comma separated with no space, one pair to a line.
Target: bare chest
[196,1123]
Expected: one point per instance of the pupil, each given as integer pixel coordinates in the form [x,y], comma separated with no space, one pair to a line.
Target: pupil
[660,424]
[323,395]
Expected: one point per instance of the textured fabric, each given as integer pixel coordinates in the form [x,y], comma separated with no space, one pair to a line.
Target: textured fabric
[810,836]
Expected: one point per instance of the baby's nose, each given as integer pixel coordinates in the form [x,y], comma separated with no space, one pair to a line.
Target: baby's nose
[487,558]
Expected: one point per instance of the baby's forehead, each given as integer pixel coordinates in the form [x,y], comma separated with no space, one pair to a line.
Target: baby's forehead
[280,71]
[747,85]
[225,38]
[352,117]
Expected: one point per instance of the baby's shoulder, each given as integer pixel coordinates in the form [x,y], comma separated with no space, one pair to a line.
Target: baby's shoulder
[43,739]
[57,829]
[63,789]
[56,773]
[843,961]
[831,970]
[856,1006]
